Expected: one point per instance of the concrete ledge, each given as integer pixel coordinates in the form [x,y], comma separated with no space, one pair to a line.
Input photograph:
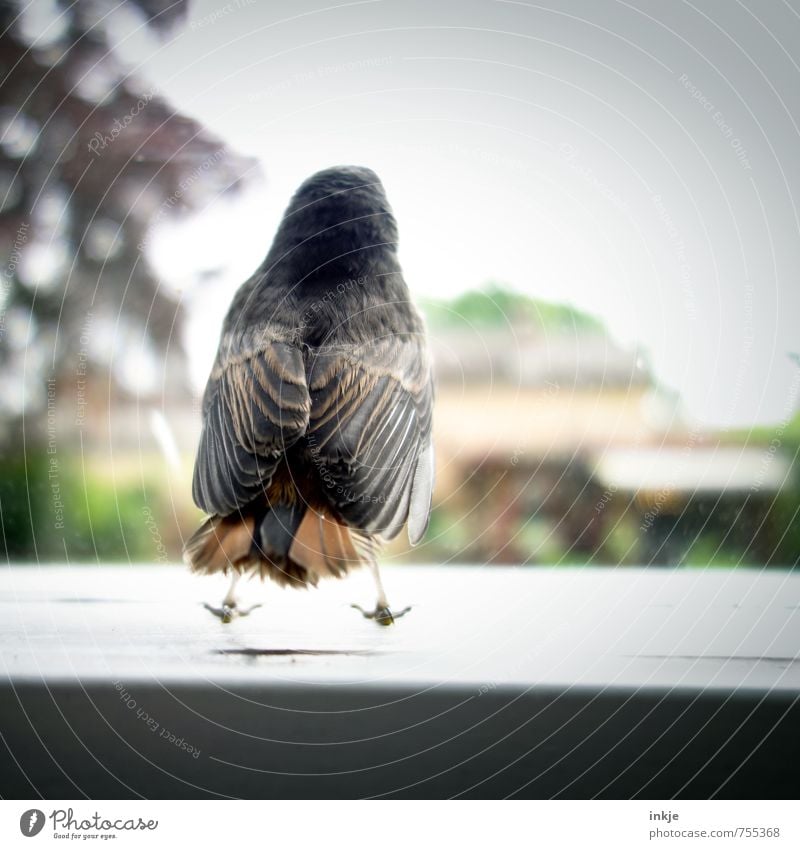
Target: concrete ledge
[346,742]
[526,682]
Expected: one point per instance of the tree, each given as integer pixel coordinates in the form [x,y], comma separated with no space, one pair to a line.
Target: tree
[91,160]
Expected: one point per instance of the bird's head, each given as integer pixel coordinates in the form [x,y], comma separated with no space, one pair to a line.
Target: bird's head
[344,188]
[339,222]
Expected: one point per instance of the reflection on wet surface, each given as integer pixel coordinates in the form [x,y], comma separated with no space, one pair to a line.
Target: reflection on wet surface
[722,658]
[248,652]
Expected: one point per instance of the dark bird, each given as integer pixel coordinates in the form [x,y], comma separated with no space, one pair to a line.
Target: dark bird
[316,441]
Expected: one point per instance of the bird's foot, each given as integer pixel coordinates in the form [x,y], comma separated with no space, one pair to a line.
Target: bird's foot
[383,615]
[228,612]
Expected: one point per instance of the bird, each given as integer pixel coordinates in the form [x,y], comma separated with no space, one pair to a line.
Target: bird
[316,442]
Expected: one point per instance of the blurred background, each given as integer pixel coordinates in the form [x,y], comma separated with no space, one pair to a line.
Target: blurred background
[598,216]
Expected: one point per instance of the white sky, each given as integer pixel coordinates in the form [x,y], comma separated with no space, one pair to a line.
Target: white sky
[639,161]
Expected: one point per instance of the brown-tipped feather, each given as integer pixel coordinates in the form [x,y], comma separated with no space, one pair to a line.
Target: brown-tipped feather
[220,544]
[324,546]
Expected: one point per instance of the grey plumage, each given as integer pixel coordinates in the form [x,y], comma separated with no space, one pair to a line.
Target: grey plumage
[316,441]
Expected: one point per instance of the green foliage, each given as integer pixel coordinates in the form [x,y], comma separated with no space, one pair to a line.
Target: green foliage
[783,518]
[23,500]
[497,306]
[106,522]
[710,551]
[786,434]
[784,524]
[448,537]
[539,541]
[69,512]
[622,544]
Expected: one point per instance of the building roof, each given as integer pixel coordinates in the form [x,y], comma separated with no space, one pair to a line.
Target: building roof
[694,469]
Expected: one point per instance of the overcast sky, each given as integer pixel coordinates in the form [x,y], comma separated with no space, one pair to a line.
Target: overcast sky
[639,160]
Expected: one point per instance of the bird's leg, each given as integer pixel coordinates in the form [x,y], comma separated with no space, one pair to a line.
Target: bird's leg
[382,614]
[230,607]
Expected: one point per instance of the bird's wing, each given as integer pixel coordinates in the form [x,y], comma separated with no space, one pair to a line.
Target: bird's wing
[256,405]
[369,434]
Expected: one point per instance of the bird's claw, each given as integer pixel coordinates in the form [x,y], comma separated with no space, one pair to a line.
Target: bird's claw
[382,615]
[228,612]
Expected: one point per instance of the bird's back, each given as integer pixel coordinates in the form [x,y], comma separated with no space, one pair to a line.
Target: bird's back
[316,438]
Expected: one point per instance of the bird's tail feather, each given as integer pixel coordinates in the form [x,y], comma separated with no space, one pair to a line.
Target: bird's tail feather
[327,548]
[295,547]
[219,544]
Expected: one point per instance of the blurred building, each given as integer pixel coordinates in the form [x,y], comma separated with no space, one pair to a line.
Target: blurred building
[555,445]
